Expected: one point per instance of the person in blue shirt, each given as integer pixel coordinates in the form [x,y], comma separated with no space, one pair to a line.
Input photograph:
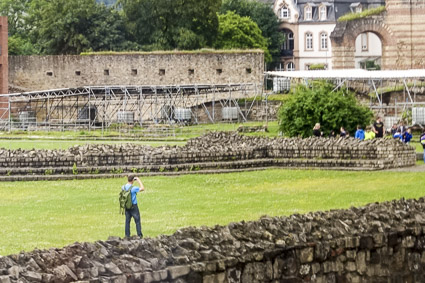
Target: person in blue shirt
[359,133]
[422,141]
[407,136]
[133,212]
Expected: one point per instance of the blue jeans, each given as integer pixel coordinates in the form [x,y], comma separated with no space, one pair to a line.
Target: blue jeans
[133,212]
[424,155]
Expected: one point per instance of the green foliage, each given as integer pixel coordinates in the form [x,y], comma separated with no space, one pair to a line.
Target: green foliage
[117,171]
[74,169]
[164,52]
[167,25]
[71,27]
[366,13]
[20,46]
[107,2]
[320,104]
[262,14]
[317,67]
[371,65]
[15,10]
[48,172]
[240,32]
[406,117]
[94,171]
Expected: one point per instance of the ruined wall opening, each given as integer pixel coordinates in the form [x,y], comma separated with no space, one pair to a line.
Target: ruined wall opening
[368,52]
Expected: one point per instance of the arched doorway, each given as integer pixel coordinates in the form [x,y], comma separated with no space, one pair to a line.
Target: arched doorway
[344,36]
[368,52]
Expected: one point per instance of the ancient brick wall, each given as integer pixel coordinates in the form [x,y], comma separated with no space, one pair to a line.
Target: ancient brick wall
[172,68]
[212,151]
[3,66]
[401,30]
[376,243]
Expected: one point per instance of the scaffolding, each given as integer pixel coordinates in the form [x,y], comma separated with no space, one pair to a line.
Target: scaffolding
[98,107]
[373,83]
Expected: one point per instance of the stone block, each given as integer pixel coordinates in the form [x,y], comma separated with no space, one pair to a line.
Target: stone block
[178,271]
[233,275]
[366,242]
[361,262]
[304,269]
[306,255]
[315,268]
[215,278]
[351,254]
[408,242]
[350,266]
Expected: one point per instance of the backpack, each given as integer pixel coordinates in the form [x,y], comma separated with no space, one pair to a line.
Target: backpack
[125,199]
[423,139]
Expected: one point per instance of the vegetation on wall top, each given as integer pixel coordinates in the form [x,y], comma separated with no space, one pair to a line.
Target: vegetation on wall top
[363,14]
[162,52]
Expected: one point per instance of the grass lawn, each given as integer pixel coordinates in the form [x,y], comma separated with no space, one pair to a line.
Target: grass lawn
[54,214]
[64,140]
[177,132]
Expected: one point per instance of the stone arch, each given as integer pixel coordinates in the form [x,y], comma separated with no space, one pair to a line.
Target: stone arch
[344,36]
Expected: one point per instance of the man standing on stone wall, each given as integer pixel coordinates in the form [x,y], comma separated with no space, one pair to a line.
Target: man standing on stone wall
[378,128]
[133,212]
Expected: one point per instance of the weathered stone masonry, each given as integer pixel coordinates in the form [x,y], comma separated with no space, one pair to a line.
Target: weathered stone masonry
[162,68]
[402,32]
[216,150]
[375,243]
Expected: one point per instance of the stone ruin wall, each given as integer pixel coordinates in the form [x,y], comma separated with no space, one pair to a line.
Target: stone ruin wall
[401,30]
[376,243]
[162,68]
[216,150]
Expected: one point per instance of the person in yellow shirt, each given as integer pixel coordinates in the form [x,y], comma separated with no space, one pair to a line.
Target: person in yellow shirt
[369,135]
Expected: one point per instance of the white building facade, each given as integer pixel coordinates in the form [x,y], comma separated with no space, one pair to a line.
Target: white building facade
[307,26]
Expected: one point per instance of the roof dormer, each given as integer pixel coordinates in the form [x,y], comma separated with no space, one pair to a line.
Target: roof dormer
[284,12]
[308,12]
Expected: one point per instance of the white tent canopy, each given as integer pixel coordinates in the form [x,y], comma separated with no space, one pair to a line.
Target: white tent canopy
[351,74]
[346,75]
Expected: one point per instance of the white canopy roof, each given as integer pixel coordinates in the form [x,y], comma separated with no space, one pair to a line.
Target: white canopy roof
[352,74]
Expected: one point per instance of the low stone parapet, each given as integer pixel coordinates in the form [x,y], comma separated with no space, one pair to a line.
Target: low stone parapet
[379,242]
[213,150]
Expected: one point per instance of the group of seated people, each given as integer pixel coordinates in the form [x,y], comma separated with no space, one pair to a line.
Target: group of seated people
[376,130]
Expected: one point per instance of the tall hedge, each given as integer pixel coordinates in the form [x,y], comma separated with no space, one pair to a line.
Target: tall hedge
[319,103]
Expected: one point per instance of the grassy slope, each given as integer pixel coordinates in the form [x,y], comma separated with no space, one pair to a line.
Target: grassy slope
[64,140]
[53,214]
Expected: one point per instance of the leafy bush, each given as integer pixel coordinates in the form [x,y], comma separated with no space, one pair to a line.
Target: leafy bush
[364,14]
[317,67]
[318,103]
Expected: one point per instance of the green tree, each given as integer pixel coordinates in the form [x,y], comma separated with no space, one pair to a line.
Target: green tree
[177,24]
[20,46]
[16,11]
[262,14]
[318,103]
[72,27]
[236,32]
